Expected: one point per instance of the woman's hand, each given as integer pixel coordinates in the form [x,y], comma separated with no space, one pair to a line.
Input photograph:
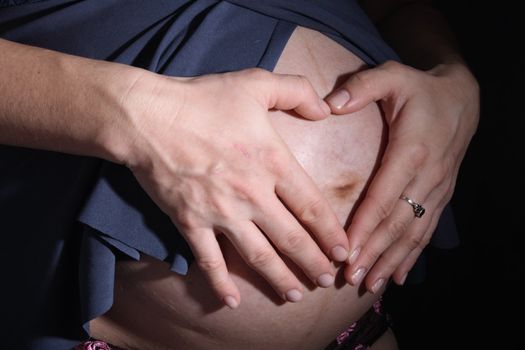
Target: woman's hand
[205,151]
[431,118]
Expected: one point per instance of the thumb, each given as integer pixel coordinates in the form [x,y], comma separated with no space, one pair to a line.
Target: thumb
[295,92]
[361,89]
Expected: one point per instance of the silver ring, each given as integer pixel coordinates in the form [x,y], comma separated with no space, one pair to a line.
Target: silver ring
[418,208]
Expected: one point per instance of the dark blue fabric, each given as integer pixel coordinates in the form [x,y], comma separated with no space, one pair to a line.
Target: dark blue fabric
[65,219]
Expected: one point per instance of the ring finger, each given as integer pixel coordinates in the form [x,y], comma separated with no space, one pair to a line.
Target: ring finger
[415,237]
[389,231]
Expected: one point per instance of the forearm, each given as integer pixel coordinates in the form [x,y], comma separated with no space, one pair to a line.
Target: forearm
[54,101]
[416,30]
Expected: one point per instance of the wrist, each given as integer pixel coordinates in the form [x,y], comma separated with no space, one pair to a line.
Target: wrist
[119,131]
[147,105]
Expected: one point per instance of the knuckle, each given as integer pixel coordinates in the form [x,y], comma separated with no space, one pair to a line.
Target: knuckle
[449,194]
[261,257]
[440,173]
[373,255]
[425,241]
[245,190]
[293,242]
[390,266]
[257,73]
[306,87]
[363,79]
[399,70]
[396,229]
[282,281]
[210,265]
[276,163]
[449,164]
[184,220]
[392,65]
[312,212]
[333,233]
[414,241]
[446,191]
[382,208]
[315,266]
[418,154]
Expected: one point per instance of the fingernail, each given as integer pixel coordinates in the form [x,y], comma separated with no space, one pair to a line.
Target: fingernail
[377,285]
[324,106]
[339,253]
[358,275]
[353,257]
[403,279]
[231,302]
[294,295]
[339,99]
[325,280]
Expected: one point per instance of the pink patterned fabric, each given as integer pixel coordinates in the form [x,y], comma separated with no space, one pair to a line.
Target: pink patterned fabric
[346,333]
[345,336]
[96,345]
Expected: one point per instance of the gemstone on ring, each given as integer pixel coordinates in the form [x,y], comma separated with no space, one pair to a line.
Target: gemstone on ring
[418,209]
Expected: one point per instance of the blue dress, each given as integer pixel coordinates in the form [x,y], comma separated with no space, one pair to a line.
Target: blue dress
[65,220]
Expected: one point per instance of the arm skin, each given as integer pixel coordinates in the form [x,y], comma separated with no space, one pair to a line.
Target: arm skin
[431,107]
[63,103]
[206,183]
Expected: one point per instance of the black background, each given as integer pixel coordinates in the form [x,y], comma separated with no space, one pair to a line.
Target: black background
[472,296]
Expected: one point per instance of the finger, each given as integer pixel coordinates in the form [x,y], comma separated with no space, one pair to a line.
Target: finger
[295,92]
[365,87]
[261,256]
[401,262]
[386,234]
[293,241]
[209,259]
[400,164]
[417,236]
[304,199]
[400,231]
[406,265]
[395,254]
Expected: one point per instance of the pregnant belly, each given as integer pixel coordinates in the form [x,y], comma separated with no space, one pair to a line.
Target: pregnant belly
[157,309]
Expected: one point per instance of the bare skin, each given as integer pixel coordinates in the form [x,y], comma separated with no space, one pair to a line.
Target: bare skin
[77,106]
[157,309]
[432,112]
[202,180]
[396,257]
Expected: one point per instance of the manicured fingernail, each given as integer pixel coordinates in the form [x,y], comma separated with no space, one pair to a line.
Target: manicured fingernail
[325,280]
[377,285]
[231,302]
[339,99]
[403,279]
[358,275]
[324,106]
[294,295]
[352,258]
[339,253]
